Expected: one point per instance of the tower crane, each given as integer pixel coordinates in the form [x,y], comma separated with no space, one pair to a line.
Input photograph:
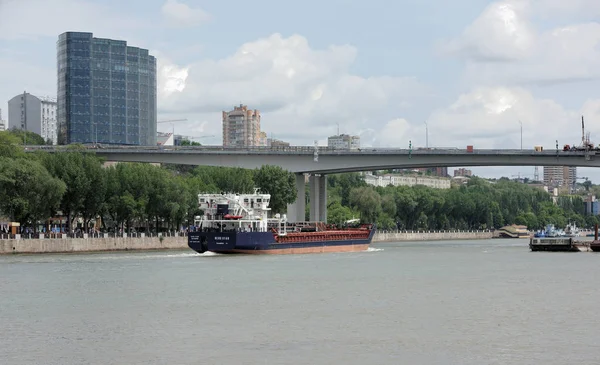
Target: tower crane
[172,121]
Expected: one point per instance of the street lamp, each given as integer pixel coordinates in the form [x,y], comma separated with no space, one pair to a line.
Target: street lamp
[521,123]
[426,136]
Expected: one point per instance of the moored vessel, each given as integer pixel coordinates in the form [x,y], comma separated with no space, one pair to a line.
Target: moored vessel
[239,223]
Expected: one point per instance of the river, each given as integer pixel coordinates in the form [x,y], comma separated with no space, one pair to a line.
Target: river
[472,302]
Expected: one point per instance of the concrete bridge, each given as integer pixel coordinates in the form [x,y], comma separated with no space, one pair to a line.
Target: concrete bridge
[320,161]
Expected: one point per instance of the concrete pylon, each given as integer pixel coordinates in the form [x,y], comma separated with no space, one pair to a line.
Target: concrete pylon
[296,210]
[323,199]
[314,183]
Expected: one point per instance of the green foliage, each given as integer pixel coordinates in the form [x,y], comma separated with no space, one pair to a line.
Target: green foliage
[27,191]
[27,137]
[478,204]
[187,142]
[9,145]
[279,183]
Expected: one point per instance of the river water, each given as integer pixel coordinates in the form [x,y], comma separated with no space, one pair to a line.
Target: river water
[474,302]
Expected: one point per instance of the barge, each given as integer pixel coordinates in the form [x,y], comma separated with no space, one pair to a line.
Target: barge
[239,223]
[550,242]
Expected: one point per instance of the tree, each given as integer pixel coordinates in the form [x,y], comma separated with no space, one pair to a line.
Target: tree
[95,196]
[367,201]
[69,167]
[9,145]
[27,191]
[27,137]
[281,184]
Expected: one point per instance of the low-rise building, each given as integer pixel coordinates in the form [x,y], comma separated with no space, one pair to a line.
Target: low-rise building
[462,172]
[272,142]
[343,141]
[407,180]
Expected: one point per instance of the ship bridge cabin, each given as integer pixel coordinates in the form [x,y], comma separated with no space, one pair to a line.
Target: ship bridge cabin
[234,212]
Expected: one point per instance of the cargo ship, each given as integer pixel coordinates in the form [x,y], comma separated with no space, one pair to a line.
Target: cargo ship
[239,223]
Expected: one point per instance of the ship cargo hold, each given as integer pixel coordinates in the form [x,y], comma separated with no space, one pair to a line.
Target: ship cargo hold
[239,223]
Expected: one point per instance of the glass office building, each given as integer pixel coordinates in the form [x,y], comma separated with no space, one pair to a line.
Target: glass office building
[106,91]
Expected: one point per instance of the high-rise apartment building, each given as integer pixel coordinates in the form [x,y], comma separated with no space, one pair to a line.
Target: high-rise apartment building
[34,114]
[343,141]
[106,91]
[560,176]
[241,127]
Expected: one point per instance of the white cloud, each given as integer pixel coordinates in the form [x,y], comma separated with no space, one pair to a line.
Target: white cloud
[179,14]
[503,46]
[489,118]
[30,19]
[303,93]
[500,33]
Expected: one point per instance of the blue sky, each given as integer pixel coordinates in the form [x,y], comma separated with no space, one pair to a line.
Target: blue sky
[471,68]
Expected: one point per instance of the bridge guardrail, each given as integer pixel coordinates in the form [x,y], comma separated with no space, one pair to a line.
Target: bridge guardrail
[311,150]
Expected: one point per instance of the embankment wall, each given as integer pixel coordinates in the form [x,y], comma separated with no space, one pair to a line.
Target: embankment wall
[67,245]
[431,236]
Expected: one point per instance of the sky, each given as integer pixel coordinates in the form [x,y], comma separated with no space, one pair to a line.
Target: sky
[453,73]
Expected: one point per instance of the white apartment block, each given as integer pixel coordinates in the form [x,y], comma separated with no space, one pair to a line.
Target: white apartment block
[3,124]
[343,141]
[34,114]
[407,180]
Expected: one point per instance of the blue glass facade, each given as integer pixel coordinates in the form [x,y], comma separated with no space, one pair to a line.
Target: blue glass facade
[106,91]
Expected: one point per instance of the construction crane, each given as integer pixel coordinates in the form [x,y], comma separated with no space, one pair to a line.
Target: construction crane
[520,176]
[190,138]
[172,121]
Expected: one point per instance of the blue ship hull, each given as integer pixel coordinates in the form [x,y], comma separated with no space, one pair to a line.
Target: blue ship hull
[264,242]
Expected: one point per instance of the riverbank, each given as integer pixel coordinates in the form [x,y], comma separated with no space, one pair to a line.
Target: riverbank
[72,245]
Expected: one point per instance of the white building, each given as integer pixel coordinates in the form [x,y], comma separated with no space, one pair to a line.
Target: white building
[407,180]
[3,124]
[34,114]
[165,139]
[343,141]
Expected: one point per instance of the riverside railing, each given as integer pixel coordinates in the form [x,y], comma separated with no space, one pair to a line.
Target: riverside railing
[25,236]
[5,236]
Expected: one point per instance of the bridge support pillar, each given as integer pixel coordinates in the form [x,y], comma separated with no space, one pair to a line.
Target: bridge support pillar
[323,198]
[318,198]
[314,197]
[296,211]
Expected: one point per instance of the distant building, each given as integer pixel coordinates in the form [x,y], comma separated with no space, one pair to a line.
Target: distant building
[106,91]
[271,142]
[407,180]
[462,172]
[557,176]
[34,114]
[3,123]
[343,141]
[434,171]
[592,206]
[263,141]
[164,139]
[241,127]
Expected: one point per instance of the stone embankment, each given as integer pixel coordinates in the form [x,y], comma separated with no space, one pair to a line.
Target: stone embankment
[68,245]
[398,236]
[71,245]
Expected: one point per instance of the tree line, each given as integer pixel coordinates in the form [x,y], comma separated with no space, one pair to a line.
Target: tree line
[477,204]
